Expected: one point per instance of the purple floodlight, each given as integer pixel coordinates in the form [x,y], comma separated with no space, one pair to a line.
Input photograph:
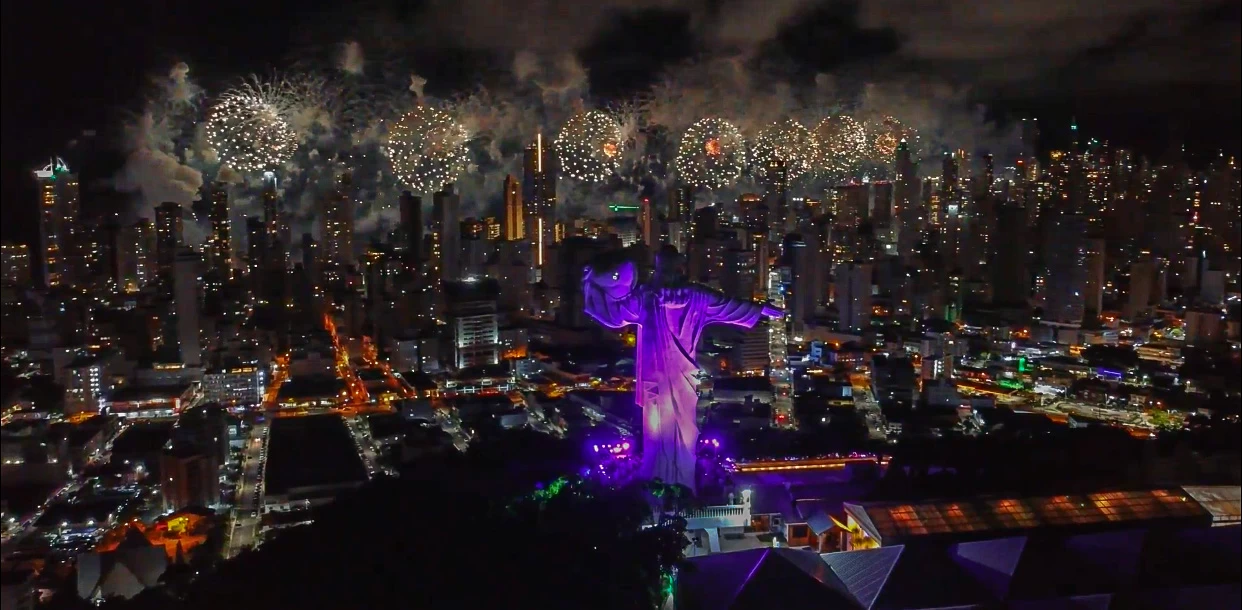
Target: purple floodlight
[670,321]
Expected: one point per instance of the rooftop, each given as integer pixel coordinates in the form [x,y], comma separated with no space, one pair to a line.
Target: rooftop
[981,517]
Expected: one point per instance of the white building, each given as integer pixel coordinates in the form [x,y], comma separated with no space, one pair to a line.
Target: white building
[242,384]
[87,378]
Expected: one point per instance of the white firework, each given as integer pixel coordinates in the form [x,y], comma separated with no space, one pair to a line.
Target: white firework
[589,146]
[712,154]
[250,132]
[789,142]
[427,149]
[842,143]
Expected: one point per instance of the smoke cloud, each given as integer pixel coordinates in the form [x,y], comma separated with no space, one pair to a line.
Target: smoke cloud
[351,59]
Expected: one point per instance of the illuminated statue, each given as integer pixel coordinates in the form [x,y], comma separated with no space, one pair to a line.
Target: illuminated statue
[670,321]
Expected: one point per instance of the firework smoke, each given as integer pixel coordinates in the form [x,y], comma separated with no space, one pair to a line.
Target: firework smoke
[344,118]
[351,59]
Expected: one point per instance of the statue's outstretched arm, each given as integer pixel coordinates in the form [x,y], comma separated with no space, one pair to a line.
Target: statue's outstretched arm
[720,309]
[611,304]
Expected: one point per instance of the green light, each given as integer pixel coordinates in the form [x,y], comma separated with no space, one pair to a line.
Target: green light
[668,585]
[1022,366]
[1010,384]
[553,489]
[616,207]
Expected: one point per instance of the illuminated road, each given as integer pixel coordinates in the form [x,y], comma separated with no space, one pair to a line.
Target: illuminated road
[866,405]
[246,516]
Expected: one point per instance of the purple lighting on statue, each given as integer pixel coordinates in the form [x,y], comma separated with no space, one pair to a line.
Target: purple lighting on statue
[670,322]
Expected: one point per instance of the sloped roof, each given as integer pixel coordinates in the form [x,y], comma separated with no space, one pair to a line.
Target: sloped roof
[1223,501]
[1164,567]
[864,572]
[124,572]
[784,578]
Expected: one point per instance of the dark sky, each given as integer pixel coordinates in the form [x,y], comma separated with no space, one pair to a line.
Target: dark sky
[1133,71]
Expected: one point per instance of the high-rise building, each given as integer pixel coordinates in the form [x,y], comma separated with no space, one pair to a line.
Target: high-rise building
[15,265]
[539,199]
[257,251]
[1142,287]
[1065,261]
[1011,284]
[647,225]
[412,230]
[680,204]
[515,216]
[169,236]
[337,230]
[1093,294]
[446,227]
[776,193]
[853,203]
[472,317]
[278,232]
[882,202]
[219,246]
[186,306]
[135,251]
[802,256]
[58,217]
[853,281]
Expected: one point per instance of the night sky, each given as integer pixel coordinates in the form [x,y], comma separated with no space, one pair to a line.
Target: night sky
[1142,73]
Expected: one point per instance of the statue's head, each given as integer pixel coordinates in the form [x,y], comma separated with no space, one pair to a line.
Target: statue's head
[618,281]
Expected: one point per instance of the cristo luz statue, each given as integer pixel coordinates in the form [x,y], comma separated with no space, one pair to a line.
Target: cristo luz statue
[670,321]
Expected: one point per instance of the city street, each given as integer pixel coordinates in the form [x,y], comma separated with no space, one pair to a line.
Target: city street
[245,518]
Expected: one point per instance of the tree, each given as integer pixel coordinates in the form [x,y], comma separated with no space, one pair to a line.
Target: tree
[468,531]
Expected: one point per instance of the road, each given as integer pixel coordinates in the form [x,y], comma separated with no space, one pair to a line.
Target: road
[245,518]
[866,405]
[365,444]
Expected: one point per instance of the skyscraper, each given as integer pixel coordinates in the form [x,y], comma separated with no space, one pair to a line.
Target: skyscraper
[680,204]
[1065,260]
[16,265]
[776,193]
[412,230]
[168,237]
[446,225]
[515,221]
[854,296]
[647,226]
[337,229]
[58,215]
[219,247]
[1142,286]
[186,307]
[1008,269]
[539,199]
[257,251]
[1093,293]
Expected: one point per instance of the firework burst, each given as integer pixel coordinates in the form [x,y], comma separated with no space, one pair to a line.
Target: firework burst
[712,154]
[885,135]
[788,141]
[249,130]
[427,149]
[842,144]
[590,146]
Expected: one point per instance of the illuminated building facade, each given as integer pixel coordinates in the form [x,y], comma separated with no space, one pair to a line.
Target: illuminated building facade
[15,265]
[446,227]
[336,230]
[539,199]
[219,245]
[168,238]
[515,216]
[58,215]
